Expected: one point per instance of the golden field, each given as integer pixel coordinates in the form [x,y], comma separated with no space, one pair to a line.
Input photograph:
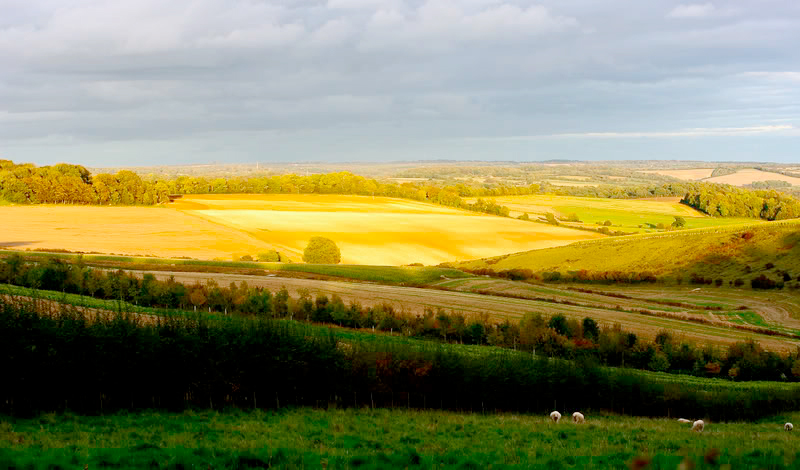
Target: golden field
[146,231]
[751,175]
[382,231]
[374,230]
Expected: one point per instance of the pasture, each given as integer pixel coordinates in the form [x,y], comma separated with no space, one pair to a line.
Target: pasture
[377,231]
[693,174]
[727,253]
[627,215]
[385,439]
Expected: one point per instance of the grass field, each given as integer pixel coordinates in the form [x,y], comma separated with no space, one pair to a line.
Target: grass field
[374,230]
[385,439]
[628,215]
[727,253]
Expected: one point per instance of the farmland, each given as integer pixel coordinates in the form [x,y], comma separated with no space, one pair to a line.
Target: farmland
[374,230]
[726,253]
[751,175]
[693,174]
[628,215]
[377,231]
[383,439]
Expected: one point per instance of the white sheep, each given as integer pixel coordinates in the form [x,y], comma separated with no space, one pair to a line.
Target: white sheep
[698,425]
[555,416]
[788,426]
[577,417]
[684,421]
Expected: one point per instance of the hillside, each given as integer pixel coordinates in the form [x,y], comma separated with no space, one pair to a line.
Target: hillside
[738,252]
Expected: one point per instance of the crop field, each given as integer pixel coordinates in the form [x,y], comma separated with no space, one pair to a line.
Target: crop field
[628,215]
[751,175]
[606,310]
[386,439]
[692,174]
[382,231]
[727,253]
[149,231]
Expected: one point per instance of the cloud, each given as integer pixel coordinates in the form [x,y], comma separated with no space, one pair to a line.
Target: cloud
[696,10]
[697,132]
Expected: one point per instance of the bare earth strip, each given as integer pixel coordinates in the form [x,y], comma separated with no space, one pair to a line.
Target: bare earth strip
[416,300]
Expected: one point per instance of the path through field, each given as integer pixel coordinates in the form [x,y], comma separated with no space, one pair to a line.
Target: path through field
[416,300]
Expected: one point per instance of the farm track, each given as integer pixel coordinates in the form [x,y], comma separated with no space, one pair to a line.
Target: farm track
[416,300]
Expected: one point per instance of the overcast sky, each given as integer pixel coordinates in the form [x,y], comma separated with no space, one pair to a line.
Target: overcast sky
[142,82]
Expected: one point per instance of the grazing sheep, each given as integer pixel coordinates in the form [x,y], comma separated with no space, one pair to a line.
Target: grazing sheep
[788,426]
[684,421]
[555,416]
[577,417]
[698,425]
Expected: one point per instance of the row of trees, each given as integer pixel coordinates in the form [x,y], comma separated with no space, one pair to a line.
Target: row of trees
[73,184]
[729,201]
[556,336]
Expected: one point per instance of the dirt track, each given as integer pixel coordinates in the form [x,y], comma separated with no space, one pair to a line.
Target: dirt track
[416,300]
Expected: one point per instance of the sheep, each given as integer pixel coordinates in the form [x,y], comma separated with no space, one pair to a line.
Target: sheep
[555,416]
[684,421]
[788,426]
[577,417]
[698,425]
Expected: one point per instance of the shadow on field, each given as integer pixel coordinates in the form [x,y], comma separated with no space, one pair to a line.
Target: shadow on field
[14,244]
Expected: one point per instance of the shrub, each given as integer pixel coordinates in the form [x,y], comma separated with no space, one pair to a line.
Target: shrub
[321,250]
[607,223]
[246,258]
[524,216]
[271,256]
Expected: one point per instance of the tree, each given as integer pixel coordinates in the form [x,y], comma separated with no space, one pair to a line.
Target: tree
[321,250]
[679,222]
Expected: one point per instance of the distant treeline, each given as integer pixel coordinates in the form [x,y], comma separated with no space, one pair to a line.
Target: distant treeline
[552,337]
[729,201]
[73,184]
[66,361]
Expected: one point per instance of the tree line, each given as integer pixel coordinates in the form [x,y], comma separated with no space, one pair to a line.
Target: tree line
[555,336]
[73,184]
[66,361]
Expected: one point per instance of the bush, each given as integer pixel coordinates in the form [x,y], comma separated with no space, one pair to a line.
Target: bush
[524,216]
[270,256]
[607,223]
[321,250]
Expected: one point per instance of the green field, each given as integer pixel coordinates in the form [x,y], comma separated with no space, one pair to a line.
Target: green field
[727,253]
[409,275]
[627,215]
[384,439]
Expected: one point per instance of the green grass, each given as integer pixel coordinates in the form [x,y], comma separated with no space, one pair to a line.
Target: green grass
[728,253]
[383,439]
[402,275]
[79,300]
[626,215]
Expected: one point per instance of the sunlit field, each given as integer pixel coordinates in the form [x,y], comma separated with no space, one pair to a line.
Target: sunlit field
[375,230]
[146,231]
[628,215]
[751,175]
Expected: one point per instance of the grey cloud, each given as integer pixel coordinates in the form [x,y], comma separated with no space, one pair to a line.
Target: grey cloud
[385,78]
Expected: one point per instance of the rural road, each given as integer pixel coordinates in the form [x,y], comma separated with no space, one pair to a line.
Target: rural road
[416,300]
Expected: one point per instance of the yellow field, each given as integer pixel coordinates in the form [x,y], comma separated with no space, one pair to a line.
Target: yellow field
[375,230]
[121,230]
[751,175]
[693,174]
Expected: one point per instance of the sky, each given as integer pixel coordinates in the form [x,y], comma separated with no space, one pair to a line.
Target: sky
[154,82]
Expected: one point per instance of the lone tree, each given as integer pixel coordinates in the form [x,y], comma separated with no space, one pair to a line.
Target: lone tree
[321,250]
[679,222]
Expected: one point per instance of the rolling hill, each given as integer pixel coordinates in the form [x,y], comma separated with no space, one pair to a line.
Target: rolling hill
[741,252]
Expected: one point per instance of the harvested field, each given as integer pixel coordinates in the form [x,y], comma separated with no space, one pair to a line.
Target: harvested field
[151,231]
[751,175]
[416,300]
[378,231]
[693,174]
